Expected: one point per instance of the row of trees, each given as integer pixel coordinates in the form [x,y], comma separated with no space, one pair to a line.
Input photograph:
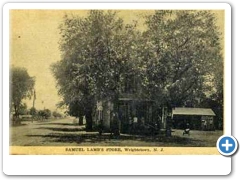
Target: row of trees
[22,87]
[45,114]
[175,61]
[38,114]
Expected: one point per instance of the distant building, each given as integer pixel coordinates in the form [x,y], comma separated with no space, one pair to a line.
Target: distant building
[25,117]
[197,118]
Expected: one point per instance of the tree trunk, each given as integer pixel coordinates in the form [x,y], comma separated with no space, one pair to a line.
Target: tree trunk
[80,122]
[16,116]
[89,120]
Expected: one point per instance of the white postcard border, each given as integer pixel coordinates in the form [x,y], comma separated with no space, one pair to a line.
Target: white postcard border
[115,164]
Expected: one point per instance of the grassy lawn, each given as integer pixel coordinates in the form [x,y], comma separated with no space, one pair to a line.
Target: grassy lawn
[65,132]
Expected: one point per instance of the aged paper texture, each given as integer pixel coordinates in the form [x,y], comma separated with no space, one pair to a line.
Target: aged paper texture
[116,82]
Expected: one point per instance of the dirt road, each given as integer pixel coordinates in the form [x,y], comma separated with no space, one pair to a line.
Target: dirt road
[66,132]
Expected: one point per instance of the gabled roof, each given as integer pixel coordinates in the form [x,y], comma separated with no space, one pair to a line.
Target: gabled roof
[193,111]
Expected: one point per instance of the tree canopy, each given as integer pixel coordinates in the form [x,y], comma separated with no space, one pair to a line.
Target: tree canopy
[21,87]
[182,49]
[97,51]
[171,61]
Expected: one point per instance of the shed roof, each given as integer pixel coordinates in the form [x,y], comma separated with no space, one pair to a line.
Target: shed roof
[193,111]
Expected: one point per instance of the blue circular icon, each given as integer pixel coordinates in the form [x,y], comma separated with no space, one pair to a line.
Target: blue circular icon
[227,145]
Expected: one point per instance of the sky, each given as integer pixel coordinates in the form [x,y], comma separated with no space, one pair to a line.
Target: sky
[34,37]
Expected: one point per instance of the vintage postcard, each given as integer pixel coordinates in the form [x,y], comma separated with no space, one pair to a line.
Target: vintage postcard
[108,80]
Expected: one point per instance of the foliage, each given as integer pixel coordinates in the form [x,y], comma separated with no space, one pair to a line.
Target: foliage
[46,113]
[215,100]
[56,114]
[96,51]
[180,50]
[33,111]
[21,88]
[171,62]
[23,109]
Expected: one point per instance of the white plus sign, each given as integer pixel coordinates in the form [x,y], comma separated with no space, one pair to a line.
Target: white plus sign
[227,145]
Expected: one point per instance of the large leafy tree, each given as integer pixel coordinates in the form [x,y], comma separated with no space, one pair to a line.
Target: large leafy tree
[181,49]
[97,51]
[171,61]
[21,88]
[215,99]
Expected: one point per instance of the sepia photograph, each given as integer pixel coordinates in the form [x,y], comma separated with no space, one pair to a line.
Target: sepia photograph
[112,81]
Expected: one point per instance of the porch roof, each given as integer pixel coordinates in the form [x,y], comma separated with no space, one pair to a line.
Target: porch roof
[193,111]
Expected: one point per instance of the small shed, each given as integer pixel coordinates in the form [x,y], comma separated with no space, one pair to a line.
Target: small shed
[197,118]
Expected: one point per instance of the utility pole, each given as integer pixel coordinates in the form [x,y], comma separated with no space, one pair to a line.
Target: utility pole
[34,98]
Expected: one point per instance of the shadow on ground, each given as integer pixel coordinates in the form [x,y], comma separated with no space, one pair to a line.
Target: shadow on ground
[17,125]
[59,124]
[63,129]
[96,139]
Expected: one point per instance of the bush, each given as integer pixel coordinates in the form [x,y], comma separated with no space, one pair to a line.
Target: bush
[56,114]
[45,114]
